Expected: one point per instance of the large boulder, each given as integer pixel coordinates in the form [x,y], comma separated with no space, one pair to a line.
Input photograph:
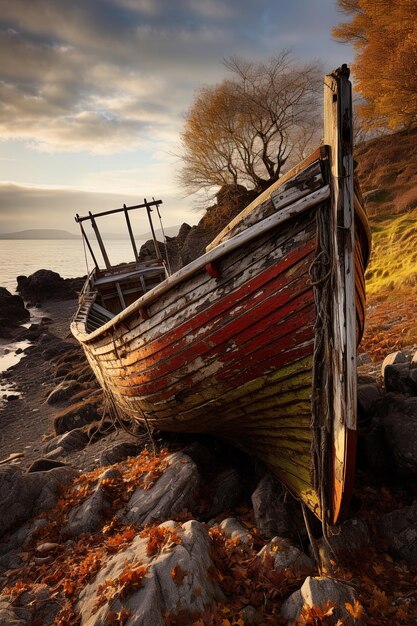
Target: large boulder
[286,558]
[89,516]
[175,491]
[24,495]
[399,528]
[47,285]
[173,577]
[12,310]
[398,415]
[325,594]
[276,512]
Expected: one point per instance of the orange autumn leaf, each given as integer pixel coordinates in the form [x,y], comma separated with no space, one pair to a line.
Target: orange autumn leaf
[178,575]
[356,609]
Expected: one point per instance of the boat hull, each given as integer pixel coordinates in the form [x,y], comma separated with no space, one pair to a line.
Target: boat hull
[256,340]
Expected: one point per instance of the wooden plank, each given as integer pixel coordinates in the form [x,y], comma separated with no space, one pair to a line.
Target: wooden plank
[338,135]
[239,241]
[264,197]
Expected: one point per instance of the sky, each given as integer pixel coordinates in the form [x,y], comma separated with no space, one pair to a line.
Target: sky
[93,94]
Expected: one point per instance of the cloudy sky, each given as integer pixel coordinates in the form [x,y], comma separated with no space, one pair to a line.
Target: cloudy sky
[93,94]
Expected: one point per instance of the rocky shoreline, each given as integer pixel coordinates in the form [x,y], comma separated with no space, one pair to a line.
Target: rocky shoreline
[99,526]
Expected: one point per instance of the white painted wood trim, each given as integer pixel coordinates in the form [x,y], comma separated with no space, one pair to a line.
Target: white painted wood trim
[241,239]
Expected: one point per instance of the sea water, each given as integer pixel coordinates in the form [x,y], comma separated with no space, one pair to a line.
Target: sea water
[67,257]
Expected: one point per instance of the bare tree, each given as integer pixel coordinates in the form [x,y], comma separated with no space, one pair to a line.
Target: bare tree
[245,130]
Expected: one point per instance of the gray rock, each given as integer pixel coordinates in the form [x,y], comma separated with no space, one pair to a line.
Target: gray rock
[400,431]
[75,439]
[31,607]
[44,465]
[399,527]
[276,512]
[400,378]
[24,495]
[233,529]
[13,616]
[318,592]
[344,542]
[62,392]
[160,590]
[47,285]
[368,395]
[177,489]
[391,359]
[119,452]
[76,415]
[12,310]
[226,491]
[90,516]
[287,558]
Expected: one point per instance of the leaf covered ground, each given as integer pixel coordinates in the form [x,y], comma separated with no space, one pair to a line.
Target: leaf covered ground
[387,590]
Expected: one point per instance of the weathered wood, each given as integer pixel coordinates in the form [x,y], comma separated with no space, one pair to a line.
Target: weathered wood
[338,135]
[234,353]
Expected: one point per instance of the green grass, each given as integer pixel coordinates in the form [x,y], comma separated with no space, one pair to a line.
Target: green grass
[393,264]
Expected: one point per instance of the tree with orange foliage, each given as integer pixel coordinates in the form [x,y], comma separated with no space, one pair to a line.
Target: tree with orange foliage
[384,34]
[245,129]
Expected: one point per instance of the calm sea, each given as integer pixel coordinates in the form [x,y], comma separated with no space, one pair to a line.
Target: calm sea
[18,257]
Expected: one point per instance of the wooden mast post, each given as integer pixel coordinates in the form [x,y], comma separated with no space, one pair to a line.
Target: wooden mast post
[132,239]
[78,220]
[338,135]
[99,241]
[148,210]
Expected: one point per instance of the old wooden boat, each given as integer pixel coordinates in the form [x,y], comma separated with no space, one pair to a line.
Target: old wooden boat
[255,341]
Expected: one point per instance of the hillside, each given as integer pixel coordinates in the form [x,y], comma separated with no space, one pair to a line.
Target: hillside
[387,169]
[40,233]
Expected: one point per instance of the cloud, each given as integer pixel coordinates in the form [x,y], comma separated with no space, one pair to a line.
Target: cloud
[29,206]
[105,76]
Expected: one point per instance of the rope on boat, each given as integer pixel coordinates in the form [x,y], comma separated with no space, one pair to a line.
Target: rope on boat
[165,239]
[321,273]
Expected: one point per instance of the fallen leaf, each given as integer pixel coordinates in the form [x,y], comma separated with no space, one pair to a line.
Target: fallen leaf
[178,575]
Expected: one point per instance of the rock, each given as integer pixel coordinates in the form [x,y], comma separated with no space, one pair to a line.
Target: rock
[17,541]
[177,579]
[63,391]
[374,451]
[73,440]
[11,615]
[250,615]
[24,495]
[287,558]
[89,517]
[321,592]
[176,490]
[391,359]
[399,527]
[399,422]
[57,348]
[119,452]
[36,606]
[368,395]
[46,285]
[400,378]
[225,492]
[276,512]
[233,529]
[76,415]
[44,465]
[12,310]
[345,542]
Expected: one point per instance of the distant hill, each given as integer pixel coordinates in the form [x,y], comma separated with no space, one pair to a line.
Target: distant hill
[40,233]
[54,233]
